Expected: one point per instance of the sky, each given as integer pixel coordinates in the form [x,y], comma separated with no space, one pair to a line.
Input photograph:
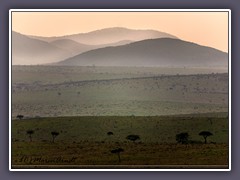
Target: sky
[204,28]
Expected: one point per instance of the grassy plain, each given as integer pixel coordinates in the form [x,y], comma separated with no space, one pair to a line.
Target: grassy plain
[83,104]
[85,139]
[115,91]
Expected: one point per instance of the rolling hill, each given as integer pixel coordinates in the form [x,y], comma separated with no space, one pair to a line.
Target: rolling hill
[76,48]
[109,36]
[31,51]
[162,52]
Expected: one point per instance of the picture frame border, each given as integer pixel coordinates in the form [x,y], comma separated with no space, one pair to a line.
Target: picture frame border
[119,10]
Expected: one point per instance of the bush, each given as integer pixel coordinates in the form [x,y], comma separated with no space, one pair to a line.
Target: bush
[133,137]
[182,138]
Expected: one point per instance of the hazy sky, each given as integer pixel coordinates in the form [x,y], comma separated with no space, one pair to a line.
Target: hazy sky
[204,28]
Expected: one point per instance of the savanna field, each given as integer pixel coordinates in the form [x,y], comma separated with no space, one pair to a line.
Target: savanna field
[94,109]
[87,140]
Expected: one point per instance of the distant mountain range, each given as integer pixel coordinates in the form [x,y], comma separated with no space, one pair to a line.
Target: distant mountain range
[109,36]
[77,48]
[31,50]
[114,47]
[28,51]
[163,52]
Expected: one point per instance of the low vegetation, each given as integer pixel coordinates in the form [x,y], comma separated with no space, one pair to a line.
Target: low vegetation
[85,140]
[182,138]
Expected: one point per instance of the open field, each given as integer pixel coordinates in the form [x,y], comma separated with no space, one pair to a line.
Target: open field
[84,141]
[109,91]
[60,74]
[83,104]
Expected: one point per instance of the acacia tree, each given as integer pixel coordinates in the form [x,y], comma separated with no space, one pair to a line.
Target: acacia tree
[29,133]
[133,137]
[117,151]
[110,133]
[20,116]
[182,138]
[205,134]
[54,135]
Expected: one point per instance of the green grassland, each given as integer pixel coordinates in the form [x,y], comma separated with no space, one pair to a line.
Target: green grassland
[85,140]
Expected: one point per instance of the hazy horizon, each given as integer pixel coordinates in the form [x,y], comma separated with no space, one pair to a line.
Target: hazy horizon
[112,27]
[204,28]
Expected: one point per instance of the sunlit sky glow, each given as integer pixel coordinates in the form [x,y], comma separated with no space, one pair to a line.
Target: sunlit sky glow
[204,28]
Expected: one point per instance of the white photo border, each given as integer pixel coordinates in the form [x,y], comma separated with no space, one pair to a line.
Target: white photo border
[119,10]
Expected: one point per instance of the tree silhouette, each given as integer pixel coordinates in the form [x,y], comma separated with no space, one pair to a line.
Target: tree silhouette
[29,133]
[133,137]
[19,116]
[182,138]
[117,151]
[54,135]
[110,133]
[205,134]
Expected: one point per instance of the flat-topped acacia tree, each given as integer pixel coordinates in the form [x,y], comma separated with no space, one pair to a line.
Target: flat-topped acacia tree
[110,133]
[133,137]
[29,133]
[20,116]
[117,151]
[205,134]
[54,135]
